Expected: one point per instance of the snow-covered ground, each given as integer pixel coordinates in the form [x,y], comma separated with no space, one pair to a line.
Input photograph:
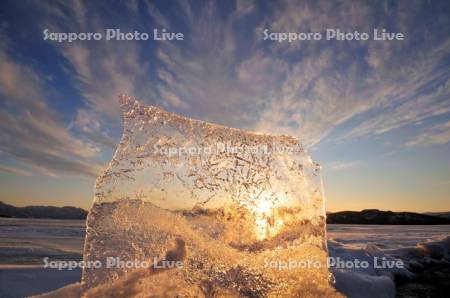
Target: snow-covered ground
[382,247]
[25,242]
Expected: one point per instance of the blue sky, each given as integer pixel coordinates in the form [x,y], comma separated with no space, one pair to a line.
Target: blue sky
[374,114]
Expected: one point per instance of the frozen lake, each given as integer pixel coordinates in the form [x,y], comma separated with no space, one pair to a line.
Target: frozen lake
[386,236]
[25,242]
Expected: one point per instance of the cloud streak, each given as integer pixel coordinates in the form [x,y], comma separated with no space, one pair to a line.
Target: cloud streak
[31,132]
[438,134]
[14,171]
[341,165]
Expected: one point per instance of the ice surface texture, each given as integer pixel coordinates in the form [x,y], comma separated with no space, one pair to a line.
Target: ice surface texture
[234,199]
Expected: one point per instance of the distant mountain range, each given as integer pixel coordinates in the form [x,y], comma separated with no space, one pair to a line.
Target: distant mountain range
[368,216]
[377,217]
[42,212]
[439,214]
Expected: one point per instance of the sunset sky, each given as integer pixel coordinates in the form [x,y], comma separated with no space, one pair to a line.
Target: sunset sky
[374,114]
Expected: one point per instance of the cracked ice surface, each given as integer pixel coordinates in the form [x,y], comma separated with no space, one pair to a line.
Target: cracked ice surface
[236,200]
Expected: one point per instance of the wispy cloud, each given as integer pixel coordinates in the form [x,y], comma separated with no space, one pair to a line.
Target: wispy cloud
[414,109]
[341,165]
[438,134]
[33,133]
[14,171]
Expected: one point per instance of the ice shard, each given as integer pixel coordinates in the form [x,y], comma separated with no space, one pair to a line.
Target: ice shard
[243,212]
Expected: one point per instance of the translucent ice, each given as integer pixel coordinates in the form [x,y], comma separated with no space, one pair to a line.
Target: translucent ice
[234,207]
